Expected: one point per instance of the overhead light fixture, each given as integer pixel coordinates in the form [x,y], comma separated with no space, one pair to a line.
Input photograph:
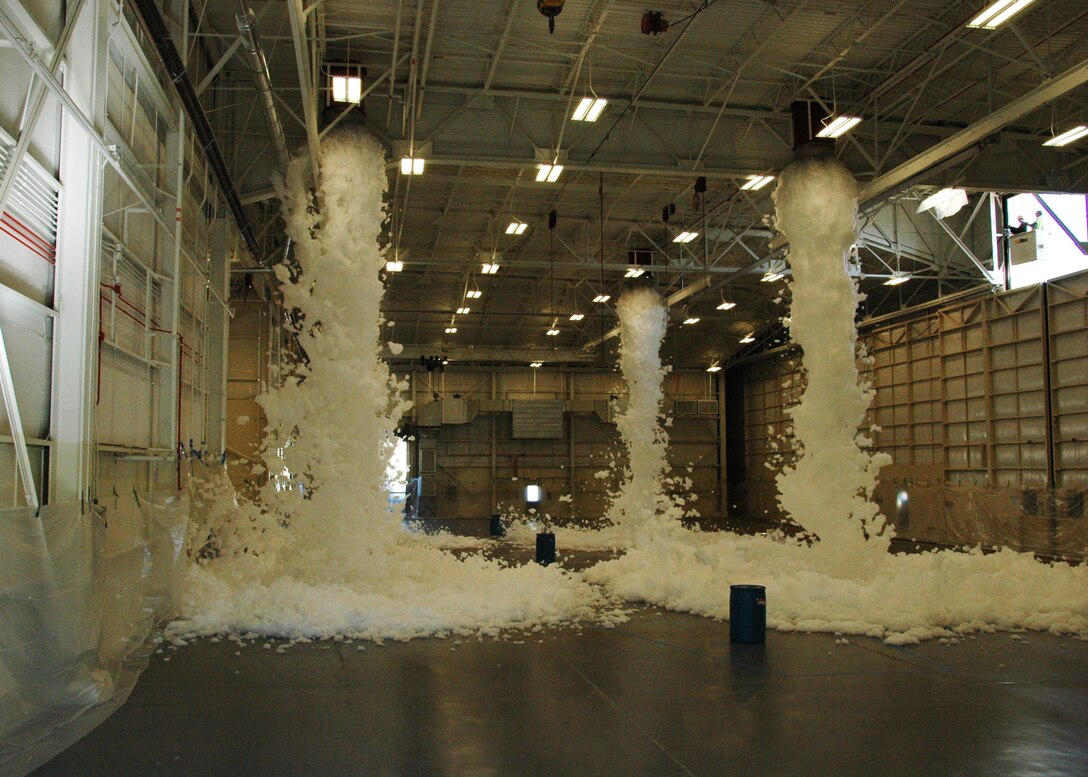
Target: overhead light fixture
[394,265]
[516,228]
[473,294]
[490,268]
[772,276]
[577,316]
[463,311]
[898,278]
[945,203]
[589,109]
[727,305]
[756,182]
[451,330]
[748,339]
[839,127]
[534,365]
[347,89]
[602,298]
[691,320]
[685,237]
[552,332]
[412,165]
[634,272]
[714,368]
[998,13]
[1072,136]
[548,173]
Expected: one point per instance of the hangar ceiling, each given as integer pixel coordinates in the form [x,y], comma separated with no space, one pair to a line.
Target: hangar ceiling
[484,93]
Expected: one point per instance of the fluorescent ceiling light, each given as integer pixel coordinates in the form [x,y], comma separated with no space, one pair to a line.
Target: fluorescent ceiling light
[685,237]
[998,13]
[412,166]
[347,89]
[548,173]
[771,277]
[516,228]
[897,278]
[394,266]
[1066,138]
[727,305]
[589,109]
[490,268]
[552,332]
[534,365]
[945,203]
[714,368]
[463,311]
[473,294]
[756,182]
[602,298]
[839,127]
[577,316]
[634,272]
[748,339]
[691,320]
[451,330]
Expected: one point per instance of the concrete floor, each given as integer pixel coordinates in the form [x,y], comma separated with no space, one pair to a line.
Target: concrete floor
[665,694]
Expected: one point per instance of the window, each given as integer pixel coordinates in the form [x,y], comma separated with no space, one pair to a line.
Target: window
[396,474]
[1049,237]
[532,493]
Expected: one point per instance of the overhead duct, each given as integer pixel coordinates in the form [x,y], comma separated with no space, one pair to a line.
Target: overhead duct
[168,54]
[258,64]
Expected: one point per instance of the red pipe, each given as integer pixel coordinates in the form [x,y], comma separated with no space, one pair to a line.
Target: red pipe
[25,236]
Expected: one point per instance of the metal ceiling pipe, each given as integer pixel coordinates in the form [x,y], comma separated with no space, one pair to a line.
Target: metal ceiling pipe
[427,58]
[156,30]
[413,66]
[258,63]
[393,65]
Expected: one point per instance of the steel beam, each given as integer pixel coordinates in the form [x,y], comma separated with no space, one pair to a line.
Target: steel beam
[34,110]
[522,356]
[15,420]
[1046,92]
[309,96]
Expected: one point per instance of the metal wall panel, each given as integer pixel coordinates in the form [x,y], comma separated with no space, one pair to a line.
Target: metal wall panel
[960,392]
[1068,329]
[538,419]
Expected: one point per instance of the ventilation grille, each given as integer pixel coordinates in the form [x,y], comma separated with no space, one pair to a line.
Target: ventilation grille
[30,214]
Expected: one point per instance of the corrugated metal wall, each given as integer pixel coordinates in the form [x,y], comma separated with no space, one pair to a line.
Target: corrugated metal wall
[989,392]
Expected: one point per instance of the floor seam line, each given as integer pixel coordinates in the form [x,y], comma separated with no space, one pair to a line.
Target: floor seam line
[631,720]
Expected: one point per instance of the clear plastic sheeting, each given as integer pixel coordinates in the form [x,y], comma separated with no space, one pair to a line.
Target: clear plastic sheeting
[80,590]
[1048,522]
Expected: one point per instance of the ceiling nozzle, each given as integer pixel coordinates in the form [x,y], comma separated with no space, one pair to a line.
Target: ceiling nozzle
[808,119]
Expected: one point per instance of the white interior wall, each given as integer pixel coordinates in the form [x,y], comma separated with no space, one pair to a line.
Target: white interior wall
[108,385]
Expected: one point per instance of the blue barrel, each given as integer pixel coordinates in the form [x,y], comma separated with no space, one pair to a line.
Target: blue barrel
[497,529]
[545,548]
[748,614]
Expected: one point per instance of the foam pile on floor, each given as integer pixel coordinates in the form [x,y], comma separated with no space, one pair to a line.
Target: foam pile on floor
[846,581]
[325,555]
